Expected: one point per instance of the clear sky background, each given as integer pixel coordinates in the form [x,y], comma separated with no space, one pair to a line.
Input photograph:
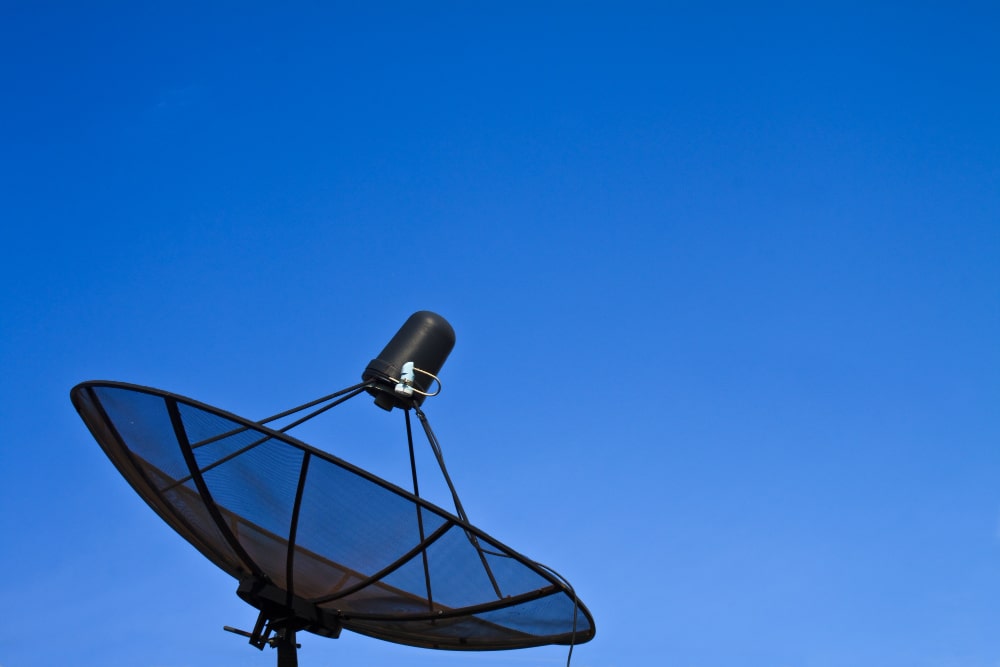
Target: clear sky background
[726,285]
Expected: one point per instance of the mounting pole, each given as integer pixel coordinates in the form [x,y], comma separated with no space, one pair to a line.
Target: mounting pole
[287,648]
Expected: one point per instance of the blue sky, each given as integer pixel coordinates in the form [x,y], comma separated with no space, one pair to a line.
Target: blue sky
[725,281]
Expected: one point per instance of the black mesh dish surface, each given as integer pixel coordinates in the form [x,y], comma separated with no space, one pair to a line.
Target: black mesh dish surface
[305,531]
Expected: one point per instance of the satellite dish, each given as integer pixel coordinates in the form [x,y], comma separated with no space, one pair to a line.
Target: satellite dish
[318,544]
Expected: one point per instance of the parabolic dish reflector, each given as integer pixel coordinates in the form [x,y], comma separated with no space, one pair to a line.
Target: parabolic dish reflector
[311,536]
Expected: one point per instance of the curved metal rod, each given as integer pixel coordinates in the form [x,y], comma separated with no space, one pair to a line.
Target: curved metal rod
[206,496]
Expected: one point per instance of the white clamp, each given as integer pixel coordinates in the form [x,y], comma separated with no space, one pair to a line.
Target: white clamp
[405,385]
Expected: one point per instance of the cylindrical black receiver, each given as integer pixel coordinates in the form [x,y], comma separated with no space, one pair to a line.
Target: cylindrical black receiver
[426,339]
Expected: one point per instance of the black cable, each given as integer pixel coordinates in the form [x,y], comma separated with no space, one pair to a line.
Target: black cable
[576,605]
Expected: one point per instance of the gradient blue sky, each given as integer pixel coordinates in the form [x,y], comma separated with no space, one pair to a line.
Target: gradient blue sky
[726,284]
